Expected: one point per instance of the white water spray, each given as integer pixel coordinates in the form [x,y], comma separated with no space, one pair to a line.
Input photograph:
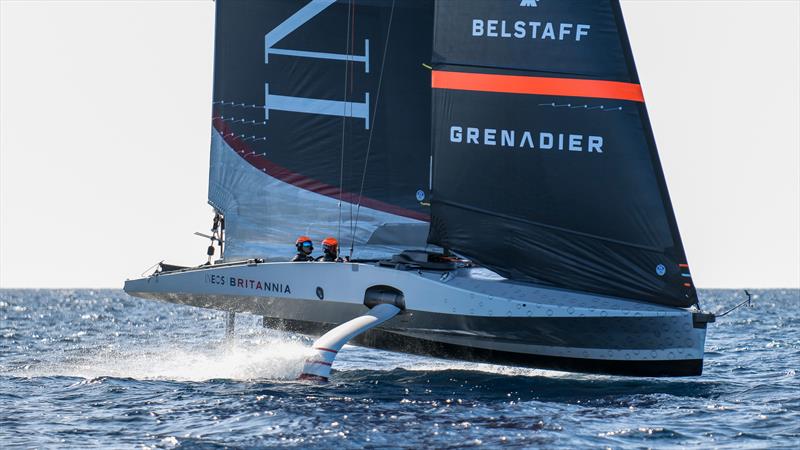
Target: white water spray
[248,359]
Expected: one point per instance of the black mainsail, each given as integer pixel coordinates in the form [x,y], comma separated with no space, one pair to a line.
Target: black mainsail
[317,103]
[545,165]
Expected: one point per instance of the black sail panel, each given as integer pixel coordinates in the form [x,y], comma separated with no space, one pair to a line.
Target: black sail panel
[545,167]
[319,107]
[572,36]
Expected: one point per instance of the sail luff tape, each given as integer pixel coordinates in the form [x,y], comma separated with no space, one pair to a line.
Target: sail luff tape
[519,84]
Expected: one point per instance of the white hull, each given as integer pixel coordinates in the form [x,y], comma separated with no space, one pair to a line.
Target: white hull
[468,314]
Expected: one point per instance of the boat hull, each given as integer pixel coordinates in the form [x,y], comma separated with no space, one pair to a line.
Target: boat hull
[463,314]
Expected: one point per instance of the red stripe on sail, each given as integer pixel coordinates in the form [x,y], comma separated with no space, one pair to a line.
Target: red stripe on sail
[517,84]
[304,182]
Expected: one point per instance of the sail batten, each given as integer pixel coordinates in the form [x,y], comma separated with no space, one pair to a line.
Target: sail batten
[547,226]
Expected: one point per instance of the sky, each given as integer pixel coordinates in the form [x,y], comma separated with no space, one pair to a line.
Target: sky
[105,111]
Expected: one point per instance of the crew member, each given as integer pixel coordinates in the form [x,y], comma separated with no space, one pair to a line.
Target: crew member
[330,247]
[304,249]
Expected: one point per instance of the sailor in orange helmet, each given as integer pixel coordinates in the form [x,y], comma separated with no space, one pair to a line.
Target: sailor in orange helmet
[304,249]
[330,247]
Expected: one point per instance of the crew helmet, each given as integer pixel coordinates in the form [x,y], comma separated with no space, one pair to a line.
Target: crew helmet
[304,242]
[330,245]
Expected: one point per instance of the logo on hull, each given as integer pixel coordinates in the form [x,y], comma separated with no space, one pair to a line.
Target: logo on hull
[246,283]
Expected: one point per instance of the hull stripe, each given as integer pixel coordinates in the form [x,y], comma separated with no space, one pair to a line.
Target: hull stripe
[325,349]
[319,362]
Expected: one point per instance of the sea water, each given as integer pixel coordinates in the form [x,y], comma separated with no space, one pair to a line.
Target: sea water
[100,369]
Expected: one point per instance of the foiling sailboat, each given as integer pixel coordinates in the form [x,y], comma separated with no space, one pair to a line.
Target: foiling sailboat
[487,165]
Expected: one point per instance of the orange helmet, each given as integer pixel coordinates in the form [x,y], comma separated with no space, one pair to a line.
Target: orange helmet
[304,241]
[330,246]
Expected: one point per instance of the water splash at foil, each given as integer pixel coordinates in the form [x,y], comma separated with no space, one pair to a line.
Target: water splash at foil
[246,359]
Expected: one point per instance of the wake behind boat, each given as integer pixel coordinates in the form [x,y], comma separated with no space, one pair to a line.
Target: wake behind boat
[502,200]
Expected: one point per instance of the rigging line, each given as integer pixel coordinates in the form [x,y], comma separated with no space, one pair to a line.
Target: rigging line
[353,43]
[372,128]
[344,121]
[748,302]
[352,77]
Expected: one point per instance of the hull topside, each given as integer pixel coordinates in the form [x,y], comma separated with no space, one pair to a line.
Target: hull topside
[464,314]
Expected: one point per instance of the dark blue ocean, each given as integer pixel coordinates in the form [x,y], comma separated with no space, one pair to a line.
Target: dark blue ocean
[100,369]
